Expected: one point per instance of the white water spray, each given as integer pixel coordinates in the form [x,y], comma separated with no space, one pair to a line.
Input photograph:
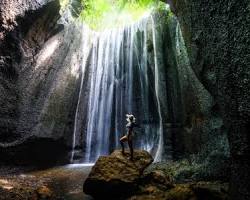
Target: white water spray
[123,70]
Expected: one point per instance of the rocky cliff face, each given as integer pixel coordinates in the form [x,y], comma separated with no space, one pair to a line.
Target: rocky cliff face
[10,11]
[217,36]
[40,83]
[38,86]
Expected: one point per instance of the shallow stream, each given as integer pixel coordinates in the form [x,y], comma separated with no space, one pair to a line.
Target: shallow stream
[59,183]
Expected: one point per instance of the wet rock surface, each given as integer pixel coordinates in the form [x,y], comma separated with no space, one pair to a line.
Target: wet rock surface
[217,36]
[58,183]
[116,175]
[10,11]
[38,84]
[65,183]
[24,28]
[188,191]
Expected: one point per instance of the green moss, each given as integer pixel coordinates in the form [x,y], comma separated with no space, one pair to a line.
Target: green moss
[101,14]
[104,14]
[213,168]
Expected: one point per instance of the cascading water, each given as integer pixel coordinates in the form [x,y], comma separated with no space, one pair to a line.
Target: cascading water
[122,72]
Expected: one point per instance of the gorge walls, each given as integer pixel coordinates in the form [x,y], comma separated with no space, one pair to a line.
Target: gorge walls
[41,70]
[35,100]
[208,102]
[217,37]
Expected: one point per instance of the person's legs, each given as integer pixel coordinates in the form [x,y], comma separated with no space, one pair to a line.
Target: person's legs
[130,144]
[122,140]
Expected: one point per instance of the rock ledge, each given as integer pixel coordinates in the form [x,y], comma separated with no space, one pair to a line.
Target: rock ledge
[115,175]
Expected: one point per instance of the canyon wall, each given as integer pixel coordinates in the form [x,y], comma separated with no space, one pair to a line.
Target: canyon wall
[217,36]
[38,83]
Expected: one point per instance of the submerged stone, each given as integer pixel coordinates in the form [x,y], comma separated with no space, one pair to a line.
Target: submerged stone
[115,175]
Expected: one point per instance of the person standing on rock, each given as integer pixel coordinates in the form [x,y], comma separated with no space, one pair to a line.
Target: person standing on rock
[129,136]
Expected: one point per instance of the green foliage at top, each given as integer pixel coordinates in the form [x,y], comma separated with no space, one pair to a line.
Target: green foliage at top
[64,4]
[103,14]
[100,14]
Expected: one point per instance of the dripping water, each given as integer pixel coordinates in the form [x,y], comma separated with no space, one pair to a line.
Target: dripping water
[124,77]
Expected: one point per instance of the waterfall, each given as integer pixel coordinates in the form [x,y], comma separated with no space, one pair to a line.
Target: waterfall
[122,72]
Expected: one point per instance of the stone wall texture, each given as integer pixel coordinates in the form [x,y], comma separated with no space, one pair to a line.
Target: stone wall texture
[37,90]
[217,36]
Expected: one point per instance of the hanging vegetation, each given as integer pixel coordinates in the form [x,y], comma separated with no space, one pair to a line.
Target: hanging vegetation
[103,14]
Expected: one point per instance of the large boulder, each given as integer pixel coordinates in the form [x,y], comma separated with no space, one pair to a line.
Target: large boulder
[115,175]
